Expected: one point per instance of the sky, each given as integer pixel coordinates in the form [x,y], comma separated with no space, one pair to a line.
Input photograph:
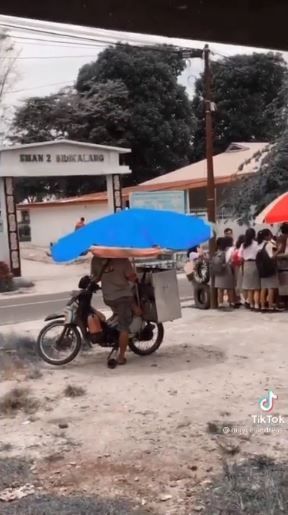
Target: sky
[49,55]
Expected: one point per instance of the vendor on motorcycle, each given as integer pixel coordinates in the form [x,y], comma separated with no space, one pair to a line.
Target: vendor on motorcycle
[119,296]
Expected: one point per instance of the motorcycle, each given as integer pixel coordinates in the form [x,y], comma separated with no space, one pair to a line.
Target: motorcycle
[60,341]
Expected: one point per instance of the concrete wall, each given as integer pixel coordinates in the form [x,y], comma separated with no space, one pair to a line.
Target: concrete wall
[48,224]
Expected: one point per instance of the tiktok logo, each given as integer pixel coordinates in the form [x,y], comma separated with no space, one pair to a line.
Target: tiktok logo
[266,403]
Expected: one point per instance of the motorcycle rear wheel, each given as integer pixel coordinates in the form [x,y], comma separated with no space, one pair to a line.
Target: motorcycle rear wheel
[73,340]
[144,348]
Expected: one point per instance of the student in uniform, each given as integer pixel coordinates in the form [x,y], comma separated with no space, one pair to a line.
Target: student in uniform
[251,280]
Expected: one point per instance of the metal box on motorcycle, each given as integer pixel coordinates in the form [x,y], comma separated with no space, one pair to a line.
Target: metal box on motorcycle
[165,305]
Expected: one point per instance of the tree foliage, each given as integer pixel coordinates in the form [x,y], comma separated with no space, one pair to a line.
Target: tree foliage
[128,97]
[256,191]
[247,92]
[101,115]
[8,77]
[162,122]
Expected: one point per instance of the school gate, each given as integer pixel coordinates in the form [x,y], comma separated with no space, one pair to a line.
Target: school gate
[58,158]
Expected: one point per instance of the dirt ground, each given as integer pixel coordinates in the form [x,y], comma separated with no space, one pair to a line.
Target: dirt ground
[152,431]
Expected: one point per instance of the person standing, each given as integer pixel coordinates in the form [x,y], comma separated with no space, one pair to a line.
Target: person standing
[266,260]
[237,263]
[80,223]
[282,240]
[251,280]
[228,233]
[224,277]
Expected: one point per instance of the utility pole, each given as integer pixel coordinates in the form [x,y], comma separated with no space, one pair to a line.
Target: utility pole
[211,193]
[211,200]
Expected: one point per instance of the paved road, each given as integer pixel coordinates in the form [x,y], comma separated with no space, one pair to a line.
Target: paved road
[35,307]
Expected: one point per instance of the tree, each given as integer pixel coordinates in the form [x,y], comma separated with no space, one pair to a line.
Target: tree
[162,121]
[247,92]
[7,77]
[129,97]
[254,192]
[101,115]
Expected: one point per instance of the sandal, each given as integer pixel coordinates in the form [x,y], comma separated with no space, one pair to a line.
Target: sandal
[121,361]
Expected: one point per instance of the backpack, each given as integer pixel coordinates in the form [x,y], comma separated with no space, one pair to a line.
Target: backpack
[219,264]
[237,260]
[266,265]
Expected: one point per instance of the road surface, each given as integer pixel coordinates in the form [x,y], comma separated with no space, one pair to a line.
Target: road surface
[34,307]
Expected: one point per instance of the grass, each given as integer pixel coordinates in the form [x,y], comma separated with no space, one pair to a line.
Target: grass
[258,486]
[72,505]
[14,472]
[16,353]
[74,391]
[18,399]
[22,347]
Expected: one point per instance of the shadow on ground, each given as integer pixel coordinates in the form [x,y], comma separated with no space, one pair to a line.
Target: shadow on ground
[168,359]
[19,352]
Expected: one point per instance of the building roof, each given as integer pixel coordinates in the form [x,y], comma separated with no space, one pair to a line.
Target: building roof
[120,150]
[239,159]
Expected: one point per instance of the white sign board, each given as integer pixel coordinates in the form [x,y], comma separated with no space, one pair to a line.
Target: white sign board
[162,200]
[61,158]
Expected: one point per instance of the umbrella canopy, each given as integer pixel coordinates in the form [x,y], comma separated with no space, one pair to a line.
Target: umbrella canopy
[276,212]
[135,229]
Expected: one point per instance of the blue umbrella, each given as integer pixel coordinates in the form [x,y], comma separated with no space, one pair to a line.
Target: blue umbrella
[137,229]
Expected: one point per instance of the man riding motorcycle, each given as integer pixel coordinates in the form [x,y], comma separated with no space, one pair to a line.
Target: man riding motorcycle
[116,276]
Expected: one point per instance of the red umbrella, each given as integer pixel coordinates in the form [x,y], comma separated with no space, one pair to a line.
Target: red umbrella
[276,212]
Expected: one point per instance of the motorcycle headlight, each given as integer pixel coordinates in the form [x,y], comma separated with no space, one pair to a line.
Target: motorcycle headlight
[70,313]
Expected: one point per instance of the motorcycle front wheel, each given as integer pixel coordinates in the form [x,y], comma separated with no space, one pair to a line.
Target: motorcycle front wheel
[145,348]
[58,344]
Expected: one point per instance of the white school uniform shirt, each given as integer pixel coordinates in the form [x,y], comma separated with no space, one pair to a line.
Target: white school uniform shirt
[250,252]
[228,254]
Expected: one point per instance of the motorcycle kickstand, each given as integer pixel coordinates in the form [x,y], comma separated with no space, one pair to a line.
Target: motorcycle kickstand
[112,362]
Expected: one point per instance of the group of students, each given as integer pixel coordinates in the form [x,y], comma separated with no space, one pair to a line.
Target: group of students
[247,270]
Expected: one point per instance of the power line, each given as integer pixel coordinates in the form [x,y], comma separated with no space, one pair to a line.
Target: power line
[59,34]
[99,40]
[55,42]
[48,57]
[38,87]
[52,33]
